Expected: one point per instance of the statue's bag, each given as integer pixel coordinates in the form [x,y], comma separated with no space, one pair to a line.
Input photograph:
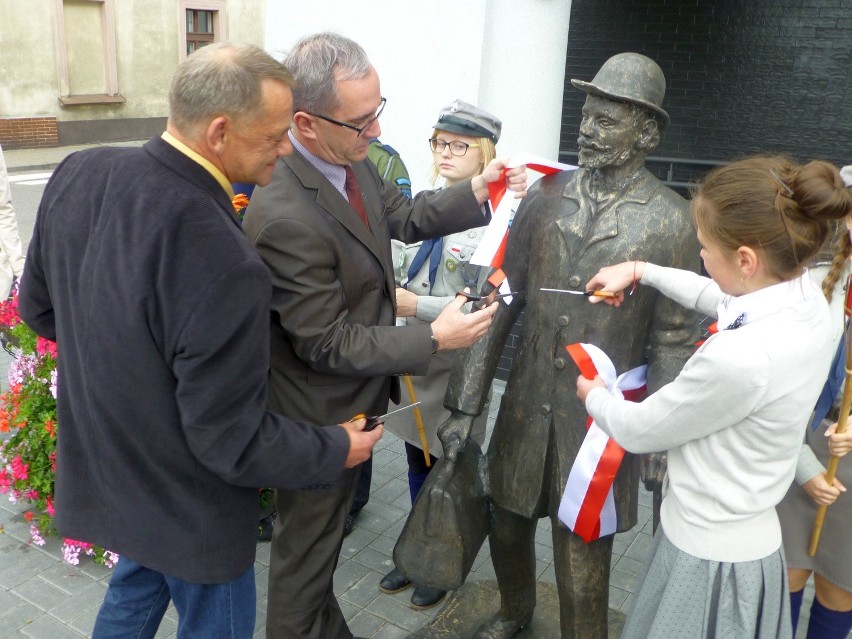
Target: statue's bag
[448,523]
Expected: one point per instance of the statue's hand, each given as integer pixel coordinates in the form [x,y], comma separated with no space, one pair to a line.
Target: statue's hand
[652,470]
[453,434]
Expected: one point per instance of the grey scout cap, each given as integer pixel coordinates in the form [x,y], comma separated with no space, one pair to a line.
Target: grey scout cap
[467,119]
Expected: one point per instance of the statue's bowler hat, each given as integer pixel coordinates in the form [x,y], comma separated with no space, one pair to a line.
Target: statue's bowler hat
[630,77]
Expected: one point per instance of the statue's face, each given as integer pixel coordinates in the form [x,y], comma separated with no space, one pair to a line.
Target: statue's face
[608,133]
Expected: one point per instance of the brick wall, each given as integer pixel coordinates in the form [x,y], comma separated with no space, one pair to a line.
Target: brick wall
[744,76]
[28,133]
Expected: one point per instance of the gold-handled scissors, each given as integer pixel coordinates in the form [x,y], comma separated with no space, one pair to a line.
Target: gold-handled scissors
[607,294]
[375,420]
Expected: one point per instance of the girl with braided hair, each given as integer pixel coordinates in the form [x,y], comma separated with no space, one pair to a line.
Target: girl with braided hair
[831,611]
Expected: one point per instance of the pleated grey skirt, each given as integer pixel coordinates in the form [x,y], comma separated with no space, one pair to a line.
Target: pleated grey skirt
[684,597]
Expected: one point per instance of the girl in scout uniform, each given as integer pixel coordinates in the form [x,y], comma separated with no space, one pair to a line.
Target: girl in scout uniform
[429,274]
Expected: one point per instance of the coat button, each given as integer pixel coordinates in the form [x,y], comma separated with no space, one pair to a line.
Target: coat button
[559,363]
[574,281]
[563,320]
[545,409]
[425,284]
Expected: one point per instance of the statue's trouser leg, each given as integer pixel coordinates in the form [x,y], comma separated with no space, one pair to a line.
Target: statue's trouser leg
[512,543]
[582,580]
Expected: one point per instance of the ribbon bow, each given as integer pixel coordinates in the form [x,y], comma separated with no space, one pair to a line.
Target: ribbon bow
[588,504]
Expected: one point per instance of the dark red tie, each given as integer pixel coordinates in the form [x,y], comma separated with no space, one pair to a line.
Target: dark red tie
[356,198]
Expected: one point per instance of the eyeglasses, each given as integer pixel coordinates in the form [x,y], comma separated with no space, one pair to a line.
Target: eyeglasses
[358,129]
[457,147]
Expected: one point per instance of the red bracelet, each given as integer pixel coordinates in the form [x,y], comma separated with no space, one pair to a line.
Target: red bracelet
[634,277]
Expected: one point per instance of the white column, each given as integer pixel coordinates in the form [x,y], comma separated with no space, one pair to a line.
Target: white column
[523,72]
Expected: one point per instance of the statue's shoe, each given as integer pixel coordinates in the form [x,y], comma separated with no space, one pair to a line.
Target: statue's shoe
[393,582]
[425,597]
[497,628]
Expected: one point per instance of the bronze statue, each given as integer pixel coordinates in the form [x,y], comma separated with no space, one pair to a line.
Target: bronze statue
[571,224]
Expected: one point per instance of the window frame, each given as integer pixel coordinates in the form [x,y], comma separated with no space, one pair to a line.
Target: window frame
[218,9]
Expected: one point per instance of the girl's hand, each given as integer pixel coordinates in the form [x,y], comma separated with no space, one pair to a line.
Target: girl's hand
[821,492]
[406,303]
[838,443]
[615,279]
[585,385]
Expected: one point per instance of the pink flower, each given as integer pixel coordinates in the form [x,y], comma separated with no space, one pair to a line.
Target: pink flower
[20,470]
[49,506]
[35,535]
[71,552]
[46,347]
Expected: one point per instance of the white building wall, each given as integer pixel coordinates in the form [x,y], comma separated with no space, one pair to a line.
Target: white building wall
[507,56]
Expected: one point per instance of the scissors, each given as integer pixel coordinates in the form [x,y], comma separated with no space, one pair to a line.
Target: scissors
[607,294]
[489,298]
[375,420]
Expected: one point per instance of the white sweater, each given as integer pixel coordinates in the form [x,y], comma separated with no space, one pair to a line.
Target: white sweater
[734,418]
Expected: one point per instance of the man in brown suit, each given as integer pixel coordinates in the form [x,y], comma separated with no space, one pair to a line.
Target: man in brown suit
[335,348]
[571,224]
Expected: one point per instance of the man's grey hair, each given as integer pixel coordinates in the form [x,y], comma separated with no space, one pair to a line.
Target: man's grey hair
[222,79]
[318,61]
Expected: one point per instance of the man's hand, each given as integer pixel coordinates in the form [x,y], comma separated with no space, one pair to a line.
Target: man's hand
[838,443]
[516,179]
[652,470]
[454,329]
[406,303]
[821,492]
[360,443]
[585,385]
[453,434]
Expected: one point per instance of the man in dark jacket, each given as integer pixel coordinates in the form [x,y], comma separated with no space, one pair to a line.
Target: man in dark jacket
[159,305]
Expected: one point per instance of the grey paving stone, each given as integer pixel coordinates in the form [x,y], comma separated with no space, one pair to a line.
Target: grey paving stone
[363,624]
[18,616]
[358,539]
[85,621]
[40,593]
[623,580]
[261,554]
[389,631]
[639,548]
[348,574]
[362,592]
[383,544]
[67,578]
[398,614]
[374,560]
[23,565]
[167,629]
[630,566]
[48,628]
[88,599]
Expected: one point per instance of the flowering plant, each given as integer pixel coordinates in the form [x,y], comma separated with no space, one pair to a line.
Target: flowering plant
[240,202]
[28,412]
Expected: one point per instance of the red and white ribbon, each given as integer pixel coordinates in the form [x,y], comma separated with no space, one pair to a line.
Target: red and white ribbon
[492,246]
[588,505]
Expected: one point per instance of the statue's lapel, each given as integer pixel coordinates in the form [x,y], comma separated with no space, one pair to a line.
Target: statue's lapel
[586,221]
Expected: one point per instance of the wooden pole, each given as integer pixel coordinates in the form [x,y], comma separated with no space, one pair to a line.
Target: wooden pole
[834,460]
[418,419]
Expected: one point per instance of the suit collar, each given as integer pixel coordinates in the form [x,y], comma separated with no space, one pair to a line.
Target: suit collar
[191,171]
[335,204]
